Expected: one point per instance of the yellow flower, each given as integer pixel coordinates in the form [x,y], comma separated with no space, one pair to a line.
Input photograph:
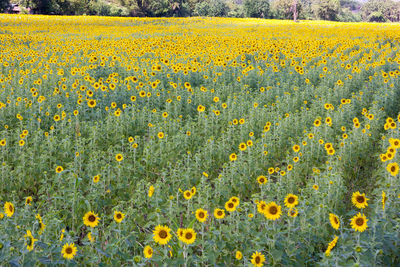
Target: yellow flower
[118,216]
[272,211]
[201,215]
[151,191]
[148,252]
[262,179]
[119,157]
[393,168]
[28,201]
[219,213]
[257,259]
[59,169]
[230,206]
[238,255]
[359,222]
[9,209]
[189,236]
[161,234]
[291,201]
[293,212]
[69,251]
[334,220]
[232,157]
[359,200]
[91,219]
[331,245]
[30,241]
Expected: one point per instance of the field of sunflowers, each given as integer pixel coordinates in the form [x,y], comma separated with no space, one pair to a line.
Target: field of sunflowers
[198,142]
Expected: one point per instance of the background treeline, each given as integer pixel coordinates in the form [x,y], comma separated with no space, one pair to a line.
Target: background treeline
[336,10]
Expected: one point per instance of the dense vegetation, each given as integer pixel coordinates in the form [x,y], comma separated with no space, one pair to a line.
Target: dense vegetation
[190,141]
[336,10]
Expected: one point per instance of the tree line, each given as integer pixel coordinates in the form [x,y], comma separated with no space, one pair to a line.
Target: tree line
[335,10]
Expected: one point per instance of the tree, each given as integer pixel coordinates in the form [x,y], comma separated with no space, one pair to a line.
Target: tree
[286,9]
[256,8]
[211,8]
[381,10]
[327,9]
[4,4]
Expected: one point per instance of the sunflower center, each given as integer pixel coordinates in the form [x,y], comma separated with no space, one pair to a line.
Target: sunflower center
[119,216]
[188,235]
[68,250]
[92,218]
[230,205]
[30,241]
[291,200]
[360,199]
[11,209]
[257,260]
[201,215]
[262,180]
[273,210]
[219,213]
[360,221]
[393,168]
[163,234]
[336,220]
[188,194]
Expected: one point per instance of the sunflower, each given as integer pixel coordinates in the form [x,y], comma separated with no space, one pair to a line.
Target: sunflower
[91,219]
[148,252]
[393,168]
[359,222]
[242,146]
[291,201]
[219,213]
[331,245]
[359,200]
[272,211]
[296,148]
[262,179]
[238,255]
[230,206]
[261,206]
[383,200]
[232,157]
[257,259]
[293,212]
[118,216]
[161,234]
[235,200]
[151,191]
[91,103]
[160,135]
[9,209]
[59,169]
[201,215]
[28,201]
[187,194]
[189,236]
[30,240]
[119,157]
[179,233]
[96,179]
[316,187]
[334,220]
[69,251]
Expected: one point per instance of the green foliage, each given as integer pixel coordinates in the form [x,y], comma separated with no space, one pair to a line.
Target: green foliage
[4,4]
[211,8]
[256,8]
[326,9]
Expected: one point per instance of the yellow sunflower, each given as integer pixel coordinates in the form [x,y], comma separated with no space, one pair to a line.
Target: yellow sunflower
[257,259]
[151,191]
[293,212]
[238,255]
[201,215]
[261,206]
[359,200]
[272,211]
[30,240]
[359,222]
[69,251]
[393,168]
[118,216]
[9,209]
[189,236]
[187,194]
[148,252]
[291,201]
[219,213]
[334,220]
[28,201]
[161,234]
[91,219]
[230,206]
[119,157]
[262,179]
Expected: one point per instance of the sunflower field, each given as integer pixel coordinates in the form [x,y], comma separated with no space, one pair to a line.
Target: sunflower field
[198,142]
